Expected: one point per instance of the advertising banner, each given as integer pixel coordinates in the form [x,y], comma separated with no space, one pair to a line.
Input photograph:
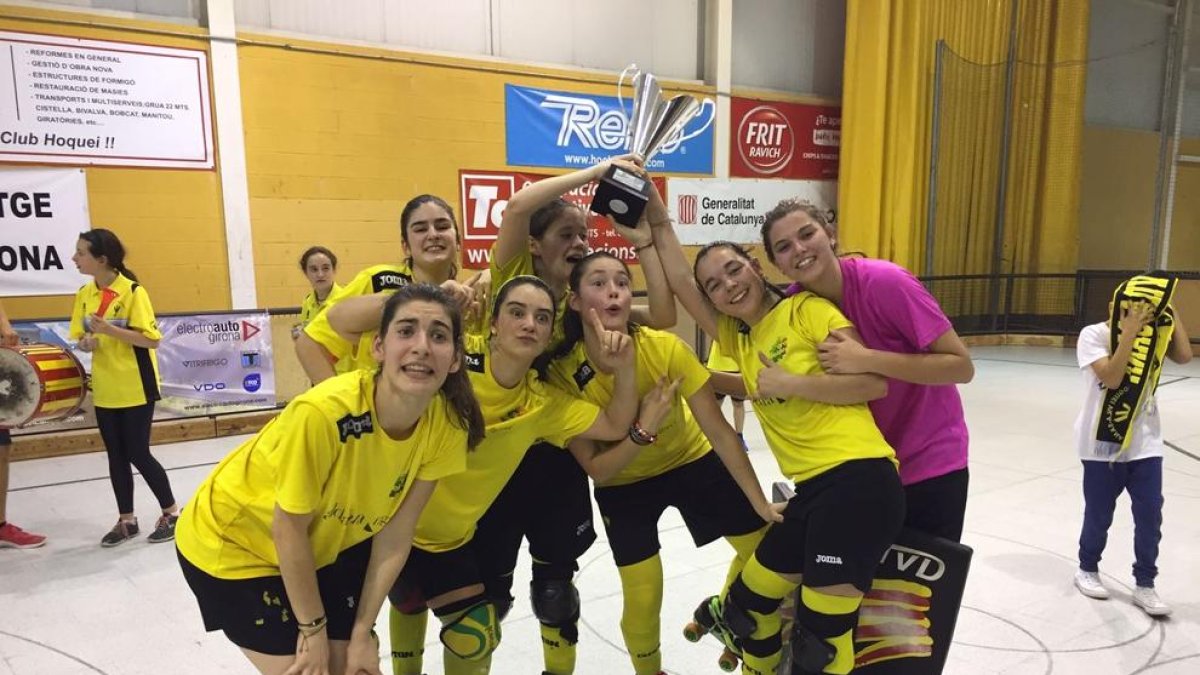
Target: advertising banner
[42,212]
[771,139]
[484,194]
[569,130]
[216,362]
[72,101]
[711,209]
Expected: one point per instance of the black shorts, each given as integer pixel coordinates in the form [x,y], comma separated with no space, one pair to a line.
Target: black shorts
[839,524]
[255,614]
[938,505]
[428,574]
[711,503]
[548,501]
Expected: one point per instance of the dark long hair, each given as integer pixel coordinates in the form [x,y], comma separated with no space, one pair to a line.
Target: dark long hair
[572,321]
[104,243]
[314,250]
[541,219]
[457,387]
[406,215]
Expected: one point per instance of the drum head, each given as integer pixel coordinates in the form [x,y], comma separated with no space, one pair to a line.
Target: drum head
[20,389]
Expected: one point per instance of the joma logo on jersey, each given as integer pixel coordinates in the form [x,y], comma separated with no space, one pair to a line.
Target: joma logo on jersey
[386,281]
[355,425]
[584,375]
[829,559]
[474,362]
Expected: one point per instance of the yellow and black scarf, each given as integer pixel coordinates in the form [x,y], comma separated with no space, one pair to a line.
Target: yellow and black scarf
[1121,407]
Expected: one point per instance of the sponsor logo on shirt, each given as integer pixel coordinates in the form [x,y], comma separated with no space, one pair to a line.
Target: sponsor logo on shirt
[386,281]
[829,559]
[475,362]
[355,425]
[584,374]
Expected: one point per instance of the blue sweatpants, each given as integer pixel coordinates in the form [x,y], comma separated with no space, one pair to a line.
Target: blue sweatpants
[1103,482]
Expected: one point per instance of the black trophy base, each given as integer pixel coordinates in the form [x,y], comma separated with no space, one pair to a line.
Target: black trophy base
[622,195]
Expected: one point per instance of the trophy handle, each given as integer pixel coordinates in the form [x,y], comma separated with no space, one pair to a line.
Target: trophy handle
[712,115]
[621,84]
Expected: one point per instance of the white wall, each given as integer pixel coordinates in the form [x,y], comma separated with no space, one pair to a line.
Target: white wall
[171,9]
[790,45]
[662,36]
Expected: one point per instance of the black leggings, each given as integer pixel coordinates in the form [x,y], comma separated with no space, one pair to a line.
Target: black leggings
[126,434]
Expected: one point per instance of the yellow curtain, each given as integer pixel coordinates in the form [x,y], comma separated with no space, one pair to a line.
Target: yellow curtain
[887,123]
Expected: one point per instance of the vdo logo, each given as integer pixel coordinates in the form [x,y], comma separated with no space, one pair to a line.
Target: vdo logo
[252,382]
[208,386]
[765,140]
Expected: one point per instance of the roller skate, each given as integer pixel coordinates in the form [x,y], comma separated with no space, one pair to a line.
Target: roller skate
[707,619]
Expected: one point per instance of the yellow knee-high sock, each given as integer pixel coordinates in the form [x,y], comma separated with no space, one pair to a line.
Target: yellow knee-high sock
[832,619]
[744,545]
[759,593]
[408,641]
[558,649]
[642,594]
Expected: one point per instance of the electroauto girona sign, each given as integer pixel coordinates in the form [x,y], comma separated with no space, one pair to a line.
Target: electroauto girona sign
[569,130]
[484,195]
[772,139]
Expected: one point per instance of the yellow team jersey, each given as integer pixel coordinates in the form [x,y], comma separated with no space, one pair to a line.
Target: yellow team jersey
[719,361]
[367,282]
[807,437]
[325,454]
[309,307]
[523,265]
[123,376]
[658,354]
[516,419]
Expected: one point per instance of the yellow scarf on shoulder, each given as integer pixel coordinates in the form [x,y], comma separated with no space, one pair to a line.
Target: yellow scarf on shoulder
[1122,406]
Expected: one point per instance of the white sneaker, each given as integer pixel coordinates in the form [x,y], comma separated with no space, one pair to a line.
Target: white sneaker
[1148,600]
[1090,585]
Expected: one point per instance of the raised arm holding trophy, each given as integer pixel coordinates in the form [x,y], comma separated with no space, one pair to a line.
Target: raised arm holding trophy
[654,123]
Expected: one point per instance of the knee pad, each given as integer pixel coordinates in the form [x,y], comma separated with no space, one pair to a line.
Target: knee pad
[810,654]
[472,634]
[823,632]
[555,602]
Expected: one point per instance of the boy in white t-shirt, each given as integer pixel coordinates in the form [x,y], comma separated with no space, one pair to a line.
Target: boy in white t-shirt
[1137,470]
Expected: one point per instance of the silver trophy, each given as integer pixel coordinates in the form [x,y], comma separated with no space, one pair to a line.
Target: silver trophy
[653,124]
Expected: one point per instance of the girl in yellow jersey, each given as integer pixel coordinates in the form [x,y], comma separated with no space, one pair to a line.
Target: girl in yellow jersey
[319,265]
[293,541]
[114,320]
[444,570]
[849,504]
[431,241]
[547,499]
[672,463]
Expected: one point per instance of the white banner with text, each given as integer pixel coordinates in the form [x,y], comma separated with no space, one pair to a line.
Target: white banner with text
[72,101]
[733,209]
[42,212]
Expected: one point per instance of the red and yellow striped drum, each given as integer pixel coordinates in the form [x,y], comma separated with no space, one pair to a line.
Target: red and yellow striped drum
[39,383]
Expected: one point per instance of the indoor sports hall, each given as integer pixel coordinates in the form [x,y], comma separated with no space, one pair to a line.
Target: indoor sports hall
[1026,171]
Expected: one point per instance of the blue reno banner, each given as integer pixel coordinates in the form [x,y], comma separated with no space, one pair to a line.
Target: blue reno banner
[569,130]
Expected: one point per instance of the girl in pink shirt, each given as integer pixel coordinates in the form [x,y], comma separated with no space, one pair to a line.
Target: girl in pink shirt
[908,340]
